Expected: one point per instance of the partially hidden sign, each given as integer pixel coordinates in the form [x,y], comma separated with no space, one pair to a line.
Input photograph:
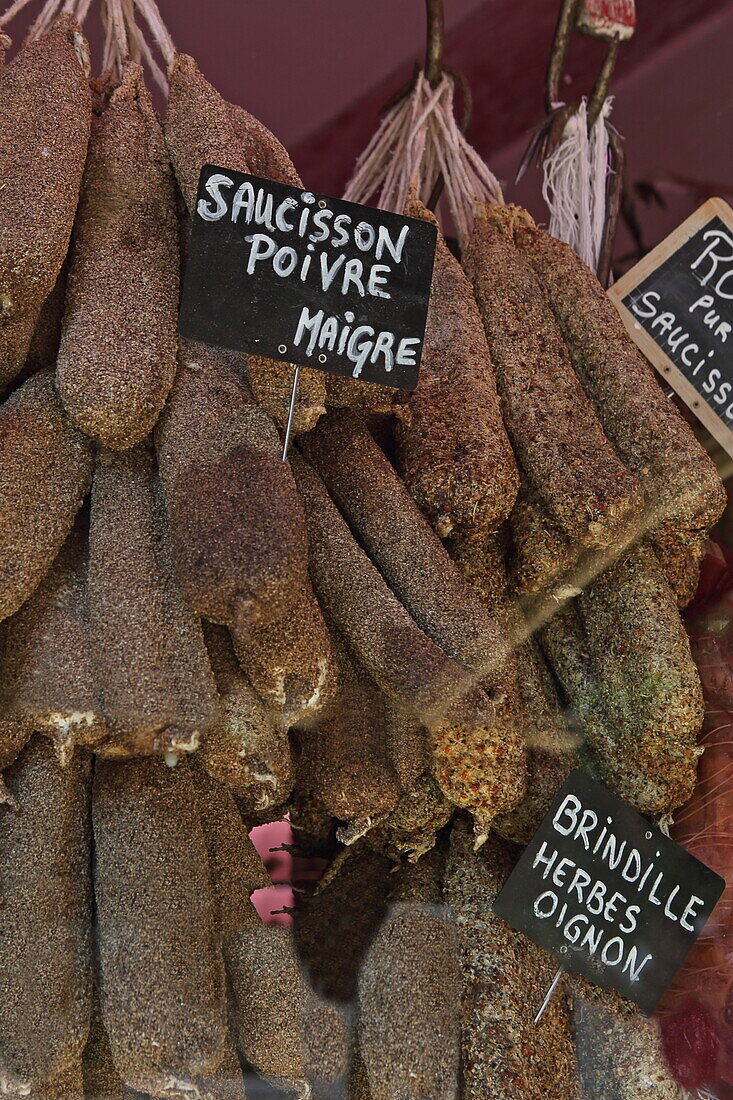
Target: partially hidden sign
[608,894]
[296,276]
[677,304]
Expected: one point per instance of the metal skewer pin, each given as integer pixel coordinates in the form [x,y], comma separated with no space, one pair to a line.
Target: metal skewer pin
[548,995]
[286,442]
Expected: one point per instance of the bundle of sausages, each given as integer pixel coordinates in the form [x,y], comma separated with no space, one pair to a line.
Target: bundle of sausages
[439,606]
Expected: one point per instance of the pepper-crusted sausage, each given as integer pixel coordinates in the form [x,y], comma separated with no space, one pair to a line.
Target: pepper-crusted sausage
[45,919]
[47,668]
[268,158]
[358,1087]
[100,1076]
[237,525]
[201,128]
[239,534]
[15,733]
[408,667]
[45,470]
[158,690]
[334,927]
[45,105]
[407,742]
[289,660]
[44,345]
[556,436]
[477,747]
[272,1003]
[163,988]
[454,452]
[249,752]
[66,1085]
[401,543]
[409,993]
[235,864]
[118,346]
[345,755]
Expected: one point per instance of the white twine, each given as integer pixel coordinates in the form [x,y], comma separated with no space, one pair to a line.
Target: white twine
[417,140]
[574,185]
[123,38]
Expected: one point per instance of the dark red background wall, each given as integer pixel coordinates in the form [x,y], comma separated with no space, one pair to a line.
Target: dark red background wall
[317,72]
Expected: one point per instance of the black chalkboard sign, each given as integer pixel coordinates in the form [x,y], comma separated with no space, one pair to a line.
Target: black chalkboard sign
[677,304]
[296,276]
[608,894]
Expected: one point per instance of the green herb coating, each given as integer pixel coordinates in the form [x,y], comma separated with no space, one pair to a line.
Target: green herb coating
[623,659]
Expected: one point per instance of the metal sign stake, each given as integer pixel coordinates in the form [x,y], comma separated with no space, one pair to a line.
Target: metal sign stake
[548,995]
[286,443]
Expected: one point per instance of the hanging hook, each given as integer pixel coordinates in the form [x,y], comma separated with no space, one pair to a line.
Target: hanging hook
[435,38]
[567,22]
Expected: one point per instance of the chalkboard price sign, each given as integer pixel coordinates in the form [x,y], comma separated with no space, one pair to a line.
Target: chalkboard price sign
[295,276]
[677,304]
[608,894]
